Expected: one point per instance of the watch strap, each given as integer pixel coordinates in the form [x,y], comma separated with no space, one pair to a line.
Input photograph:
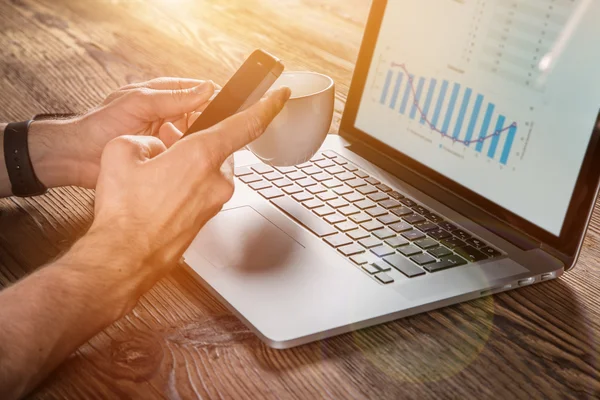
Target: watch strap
[20,170]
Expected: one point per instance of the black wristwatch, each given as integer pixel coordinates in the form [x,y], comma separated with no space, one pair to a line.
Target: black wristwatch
[23,179]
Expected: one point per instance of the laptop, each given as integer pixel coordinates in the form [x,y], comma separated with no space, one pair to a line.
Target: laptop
[466,165]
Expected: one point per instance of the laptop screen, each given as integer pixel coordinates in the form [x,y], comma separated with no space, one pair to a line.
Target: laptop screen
[499,96]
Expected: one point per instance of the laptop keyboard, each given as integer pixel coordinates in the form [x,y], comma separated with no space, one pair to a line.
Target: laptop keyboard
[376,227]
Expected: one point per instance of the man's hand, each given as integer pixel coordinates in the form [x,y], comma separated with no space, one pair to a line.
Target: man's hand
[68,152]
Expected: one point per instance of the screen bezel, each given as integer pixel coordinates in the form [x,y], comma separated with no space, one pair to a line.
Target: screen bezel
[586,187]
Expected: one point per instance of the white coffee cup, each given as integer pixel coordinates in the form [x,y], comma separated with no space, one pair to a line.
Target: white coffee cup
[296,134]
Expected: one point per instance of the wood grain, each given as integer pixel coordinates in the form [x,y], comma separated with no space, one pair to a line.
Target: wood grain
[180,342]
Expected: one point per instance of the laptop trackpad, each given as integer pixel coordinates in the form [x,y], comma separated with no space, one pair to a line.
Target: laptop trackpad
[243,239]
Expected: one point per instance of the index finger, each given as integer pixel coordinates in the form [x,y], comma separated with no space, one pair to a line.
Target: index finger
[235,132]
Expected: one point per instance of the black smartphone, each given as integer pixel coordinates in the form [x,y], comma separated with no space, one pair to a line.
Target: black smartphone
[254,78]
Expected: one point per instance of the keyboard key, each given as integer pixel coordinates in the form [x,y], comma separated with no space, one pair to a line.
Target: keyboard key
[446,262]
[329,154]
[303,196]
[349,210]
[408,202]
[304,165]
[421,210]
[242,171]
[316,189]
[335,218]
[314,203]
[371,269]
[332,183]
[376,211]
[342,190]
[370,242]
[378,197]
[395,195]
[317,157]
[361,174]
[345,176]
[351,167]
[283,183]
[250,178]
[262,169]
[346,226]
[273,176]
[461,234]
[359,260]
[323,211]
[372,181]
[389,203]
[337,203]
[372,225]
[383,251]
[490,252]
[327,196]
[360,218]
[434,218]
[384,233]
[413,235]
[367,190]
[270,193]
[471,253]
[414,218]
[285,170]
[354,197]
[305,217]
[388,219]
[323,176]
[340,160]
[440,252]
[292,189]
[476,243]
[453,243]
[447,226]
[324,163]
[396,241]
[354,183]
[384,278]
[401,227]
[404,266]
[296,175]
[312,170]
[426,243]
[439,234]
[427,226]
[358,234]
[338,240]
[260,185]
[336,169]
[351,249]
[409,250]
[384,188]
[423,259]
[306,182]
[382,266]
[365,204]
[402,211]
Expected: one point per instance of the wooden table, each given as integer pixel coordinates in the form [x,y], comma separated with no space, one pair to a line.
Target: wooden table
[180,342]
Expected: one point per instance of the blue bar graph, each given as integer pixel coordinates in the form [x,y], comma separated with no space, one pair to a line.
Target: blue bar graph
[462,112]
[450,111]
[407,92]
[510,137]
[474,117]
[396,90]
[440,102]
[413,110]
[386,87]
[485,127]
[428,100]
[496,137]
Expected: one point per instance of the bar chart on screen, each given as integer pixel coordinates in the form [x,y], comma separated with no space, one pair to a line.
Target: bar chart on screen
[451,110]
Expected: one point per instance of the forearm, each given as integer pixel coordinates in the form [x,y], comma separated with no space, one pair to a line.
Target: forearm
[52,154]
[48,315]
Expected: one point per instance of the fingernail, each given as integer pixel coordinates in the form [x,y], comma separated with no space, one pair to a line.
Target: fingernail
[204,87]
[283,93]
